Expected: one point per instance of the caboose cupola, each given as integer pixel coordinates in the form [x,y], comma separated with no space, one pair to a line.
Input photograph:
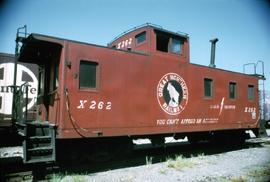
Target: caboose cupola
[153,39]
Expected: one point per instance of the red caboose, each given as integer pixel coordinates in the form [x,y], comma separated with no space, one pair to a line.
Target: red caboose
[141,86]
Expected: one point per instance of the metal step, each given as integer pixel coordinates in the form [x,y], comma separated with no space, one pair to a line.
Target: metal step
[39,124]
[40,138]
[39,142]
[40,149]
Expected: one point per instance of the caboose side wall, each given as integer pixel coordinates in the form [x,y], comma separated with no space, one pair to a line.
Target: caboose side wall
[125,100]
[239,112]
[127,90]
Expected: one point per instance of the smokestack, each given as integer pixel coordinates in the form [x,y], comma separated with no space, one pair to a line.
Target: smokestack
[213,50]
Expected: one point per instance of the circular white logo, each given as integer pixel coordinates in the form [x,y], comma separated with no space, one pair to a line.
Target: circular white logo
[172,93]
[6,80]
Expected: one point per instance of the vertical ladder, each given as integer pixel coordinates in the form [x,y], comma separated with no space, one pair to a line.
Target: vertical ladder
[39,142]
[260,74]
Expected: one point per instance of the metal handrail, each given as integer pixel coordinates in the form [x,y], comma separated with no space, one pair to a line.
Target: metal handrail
[21,103]
[20,35]
[262,77]
[262,63]
[25,85]
[134,28]
[18,40]
[255,66]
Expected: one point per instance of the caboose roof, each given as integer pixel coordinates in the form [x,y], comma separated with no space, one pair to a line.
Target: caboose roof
[38,45]
[153,26]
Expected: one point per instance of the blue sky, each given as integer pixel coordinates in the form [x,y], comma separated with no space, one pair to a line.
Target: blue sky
[242,26]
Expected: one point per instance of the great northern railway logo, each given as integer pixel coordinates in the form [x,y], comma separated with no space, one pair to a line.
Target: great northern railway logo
[172,93]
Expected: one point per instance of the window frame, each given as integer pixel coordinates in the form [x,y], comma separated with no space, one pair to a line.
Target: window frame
[97,66]
[251,96]
[141,41]
[164,42]
[170,50]
[234,84]
[211,87]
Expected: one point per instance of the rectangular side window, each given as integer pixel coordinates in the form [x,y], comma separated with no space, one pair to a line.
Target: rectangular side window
[88,74]
[140,37]
[208,87]
[232,90]
[0,102]
[251,92]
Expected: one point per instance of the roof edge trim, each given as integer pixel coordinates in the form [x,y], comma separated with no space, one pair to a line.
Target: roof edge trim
[155,26]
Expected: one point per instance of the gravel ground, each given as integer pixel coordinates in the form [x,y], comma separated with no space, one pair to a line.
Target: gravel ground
[252,164]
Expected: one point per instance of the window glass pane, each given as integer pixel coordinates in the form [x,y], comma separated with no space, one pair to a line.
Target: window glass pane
[1,73]
[232,90]
[88,72]
[208,87]
[250,92]
[140,37]
[176,46]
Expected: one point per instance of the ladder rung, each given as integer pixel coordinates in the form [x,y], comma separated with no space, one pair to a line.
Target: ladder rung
[40,149]
[39,124]
[40,137]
